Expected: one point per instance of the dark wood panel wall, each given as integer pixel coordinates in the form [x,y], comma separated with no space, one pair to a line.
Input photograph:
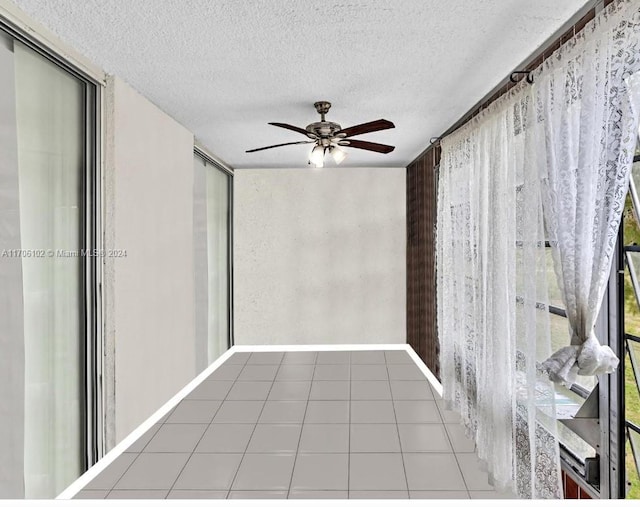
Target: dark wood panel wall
[422,331]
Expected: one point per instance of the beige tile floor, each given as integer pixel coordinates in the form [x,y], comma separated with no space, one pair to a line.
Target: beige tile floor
[359,424]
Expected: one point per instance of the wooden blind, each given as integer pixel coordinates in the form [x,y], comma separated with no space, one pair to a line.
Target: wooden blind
[421,281]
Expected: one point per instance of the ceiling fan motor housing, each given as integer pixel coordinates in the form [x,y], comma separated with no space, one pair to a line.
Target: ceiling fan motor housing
[323,129]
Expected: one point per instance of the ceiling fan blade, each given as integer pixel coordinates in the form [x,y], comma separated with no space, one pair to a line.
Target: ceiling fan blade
[292,127]
[365,128]
[277,145]
[366,145]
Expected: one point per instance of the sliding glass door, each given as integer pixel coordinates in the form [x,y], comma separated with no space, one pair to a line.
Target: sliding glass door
[212,247]
[45,124]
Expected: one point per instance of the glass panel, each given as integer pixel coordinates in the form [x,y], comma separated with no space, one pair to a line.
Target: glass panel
[218,260]
[634,355]
[567,404]
[555,296]
[211,246]
[634,183]
[587,383]
[631,473]
[544,347]
[631,230]
[574,443]
[631,310]
[50,125]
[631,393]
[631,236]
[633,464]
[633,319]
[560,336]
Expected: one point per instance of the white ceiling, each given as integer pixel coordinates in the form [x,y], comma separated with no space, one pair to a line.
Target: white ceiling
[225,68]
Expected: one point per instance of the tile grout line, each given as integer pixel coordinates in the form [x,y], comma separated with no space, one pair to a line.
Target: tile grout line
[210,422]
[304,416]
[404,468]
[141,452]
[165,417]
[132,462]
[455,454]
[154,434]
[121,475]
[349,428]
[256,424]
[134,459]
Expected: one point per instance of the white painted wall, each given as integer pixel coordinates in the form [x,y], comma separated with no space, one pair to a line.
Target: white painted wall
[319,256]
[149,294]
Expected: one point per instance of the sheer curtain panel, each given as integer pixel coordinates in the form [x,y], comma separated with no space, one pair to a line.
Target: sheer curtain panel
[201,262]
[41,205]
[50,105]
[211,249]
[218,261]
[11,307]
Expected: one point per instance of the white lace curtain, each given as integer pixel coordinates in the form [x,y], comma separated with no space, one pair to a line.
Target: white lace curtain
[555,153]
[587,96]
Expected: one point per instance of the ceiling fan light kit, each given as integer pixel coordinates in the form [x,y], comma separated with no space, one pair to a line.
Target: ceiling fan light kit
[330,136]
[316,157]
[338,154]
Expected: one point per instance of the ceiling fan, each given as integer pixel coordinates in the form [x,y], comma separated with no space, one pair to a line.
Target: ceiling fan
[329,136]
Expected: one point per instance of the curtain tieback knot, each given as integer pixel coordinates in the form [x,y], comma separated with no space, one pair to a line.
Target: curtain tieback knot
[590,358]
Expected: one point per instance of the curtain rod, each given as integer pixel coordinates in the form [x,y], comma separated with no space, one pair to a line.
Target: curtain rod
[512,78]
[557,37]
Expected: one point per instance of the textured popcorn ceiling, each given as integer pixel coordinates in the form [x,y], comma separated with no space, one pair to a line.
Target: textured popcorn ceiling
[225,68]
